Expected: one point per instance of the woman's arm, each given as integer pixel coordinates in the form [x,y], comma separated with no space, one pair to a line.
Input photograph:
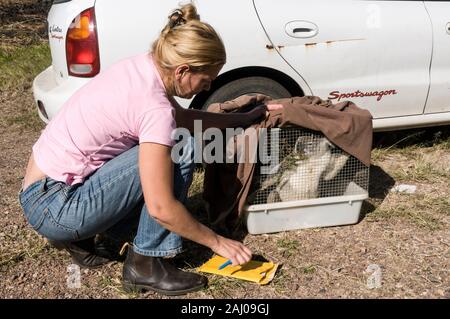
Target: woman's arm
[156,173]
[186,117]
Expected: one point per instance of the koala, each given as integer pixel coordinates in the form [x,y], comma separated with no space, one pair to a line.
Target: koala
[312,160]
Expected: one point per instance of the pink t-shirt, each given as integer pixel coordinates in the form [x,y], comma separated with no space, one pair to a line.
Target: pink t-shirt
[122,106]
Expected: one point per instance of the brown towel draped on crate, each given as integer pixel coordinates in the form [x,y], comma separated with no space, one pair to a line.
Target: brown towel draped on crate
[226,185]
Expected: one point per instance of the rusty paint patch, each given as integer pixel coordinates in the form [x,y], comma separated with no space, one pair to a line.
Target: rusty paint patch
[345,40]
[331,42]
[271,47]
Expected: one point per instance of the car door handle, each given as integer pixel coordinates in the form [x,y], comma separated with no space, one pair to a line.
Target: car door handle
[301,29]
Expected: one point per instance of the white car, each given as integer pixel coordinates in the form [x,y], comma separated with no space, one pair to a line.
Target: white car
[390,57]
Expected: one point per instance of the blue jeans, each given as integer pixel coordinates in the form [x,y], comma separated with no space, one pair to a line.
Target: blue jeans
[105,202]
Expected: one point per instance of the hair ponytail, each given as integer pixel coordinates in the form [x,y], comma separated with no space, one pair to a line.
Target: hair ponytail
[187,40]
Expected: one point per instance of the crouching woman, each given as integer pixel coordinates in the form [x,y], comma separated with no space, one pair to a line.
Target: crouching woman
[109,149]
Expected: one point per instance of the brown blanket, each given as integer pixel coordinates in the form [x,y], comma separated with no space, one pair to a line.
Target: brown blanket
[226,186]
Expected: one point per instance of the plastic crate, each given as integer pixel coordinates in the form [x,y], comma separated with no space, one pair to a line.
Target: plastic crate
[314,184]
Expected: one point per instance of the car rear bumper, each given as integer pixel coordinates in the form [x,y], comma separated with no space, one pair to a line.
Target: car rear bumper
[50,96]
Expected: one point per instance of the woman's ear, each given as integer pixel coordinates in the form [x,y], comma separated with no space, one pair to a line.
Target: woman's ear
[181,70]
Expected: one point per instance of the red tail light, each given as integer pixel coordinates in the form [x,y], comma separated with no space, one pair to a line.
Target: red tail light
[82,46]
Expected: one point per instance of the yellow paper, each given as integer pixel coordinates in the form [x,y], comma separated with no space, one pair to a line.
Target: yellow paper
[256,271]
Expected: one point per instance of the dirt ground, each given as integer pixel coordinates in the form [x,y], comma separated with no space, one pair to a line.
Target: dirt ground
[405,235]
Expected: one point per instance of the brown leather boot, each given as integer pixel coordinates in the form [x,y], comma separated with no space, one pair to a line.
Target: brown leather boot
[83,252]
[158,274]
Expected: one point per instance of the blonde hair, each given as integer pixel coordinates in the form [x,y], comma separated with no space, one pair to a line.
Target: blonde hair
[187,40]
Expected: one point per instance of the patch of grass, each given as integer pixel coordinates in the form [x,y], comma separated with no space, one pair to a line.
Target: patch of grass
[16,254]
[106,281]
[281,281]
[109,283]
[445,144]
[421,210]
[28,118]
[288,246]
[132,294]
[216,283]
[443,205]
[197,182]
[378,154]
[219,286]
[421,170]
[12,259]
[286,243]
[19,66]
[195,203]
[309,269]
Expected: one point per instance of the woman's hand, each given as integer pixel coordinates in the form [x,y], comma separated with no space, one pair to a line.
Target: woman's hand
[274,107]
[186,117]
[233,250]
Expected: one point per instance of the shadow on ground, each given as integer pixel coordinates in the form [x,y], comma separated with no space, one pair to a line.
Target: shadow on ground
[379,185]
[424,137]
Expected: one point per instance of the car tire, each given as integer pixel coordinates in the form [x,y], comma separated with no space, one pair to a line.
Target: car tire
[250,85]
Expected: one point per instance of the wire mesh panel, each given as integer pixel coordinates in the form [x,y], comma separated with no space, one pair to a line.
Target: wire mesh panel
[308,166]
